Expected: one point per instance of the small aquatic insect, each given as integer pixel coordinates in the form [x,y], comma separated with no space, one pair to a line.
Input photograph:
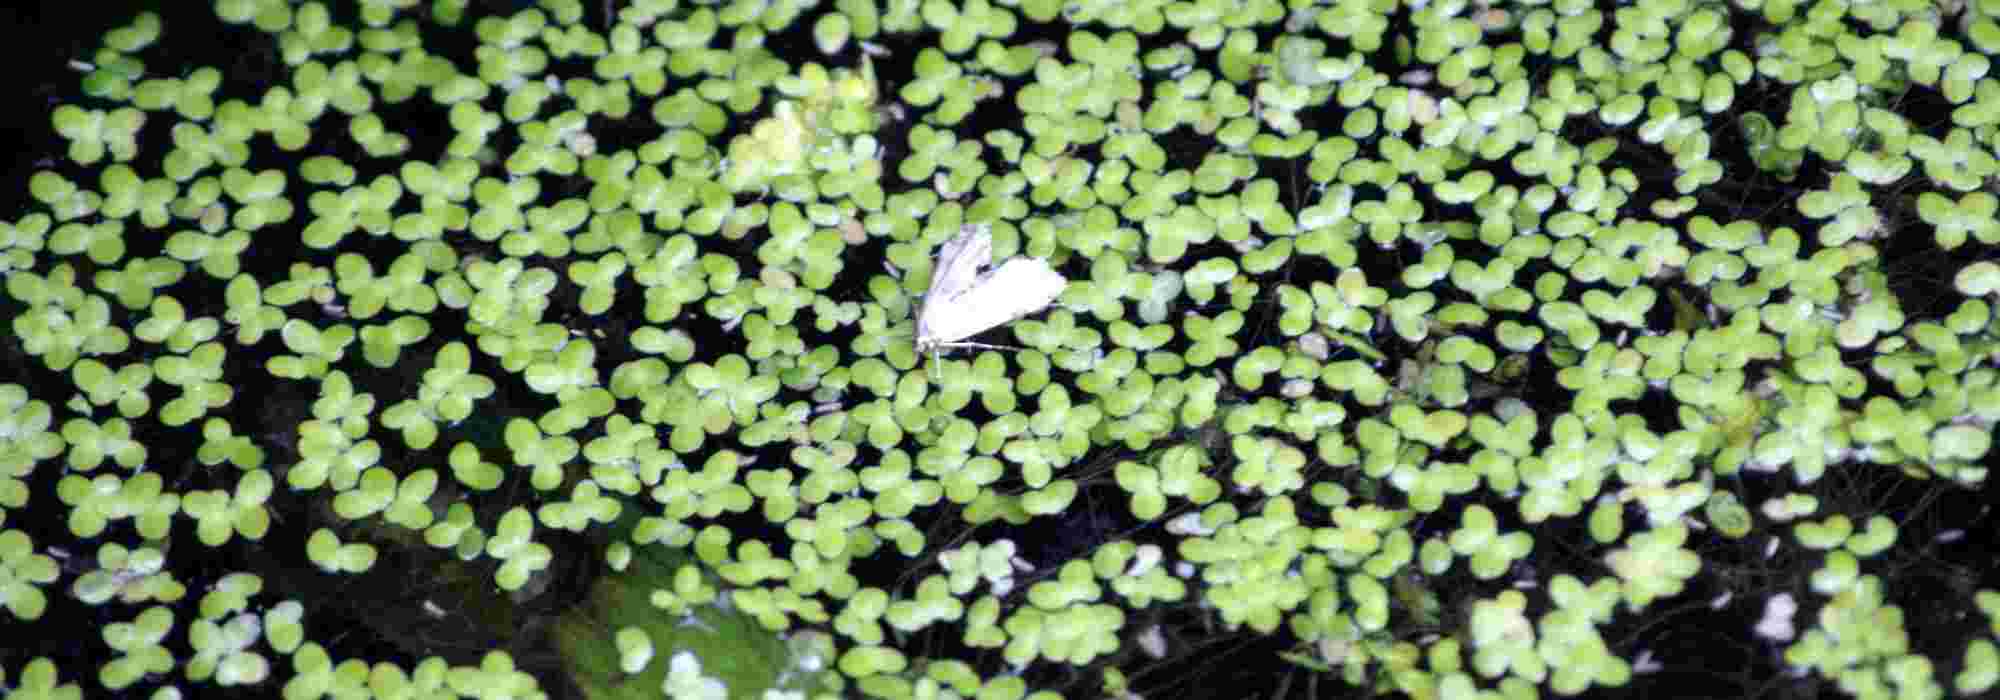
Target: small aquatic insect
[963,301]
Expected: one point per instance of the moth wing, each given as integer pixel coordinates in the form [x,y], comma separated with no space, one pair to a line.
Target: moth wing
[959,261]
[1018,287]
[1031,279]
[956,270]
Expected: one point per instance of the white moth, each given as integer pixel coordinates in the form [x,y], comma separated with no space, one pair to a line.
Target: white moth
[963,301]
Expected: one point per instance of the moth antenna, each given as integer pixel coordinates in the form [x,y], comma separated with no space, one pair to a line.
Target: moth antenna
[983,346]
